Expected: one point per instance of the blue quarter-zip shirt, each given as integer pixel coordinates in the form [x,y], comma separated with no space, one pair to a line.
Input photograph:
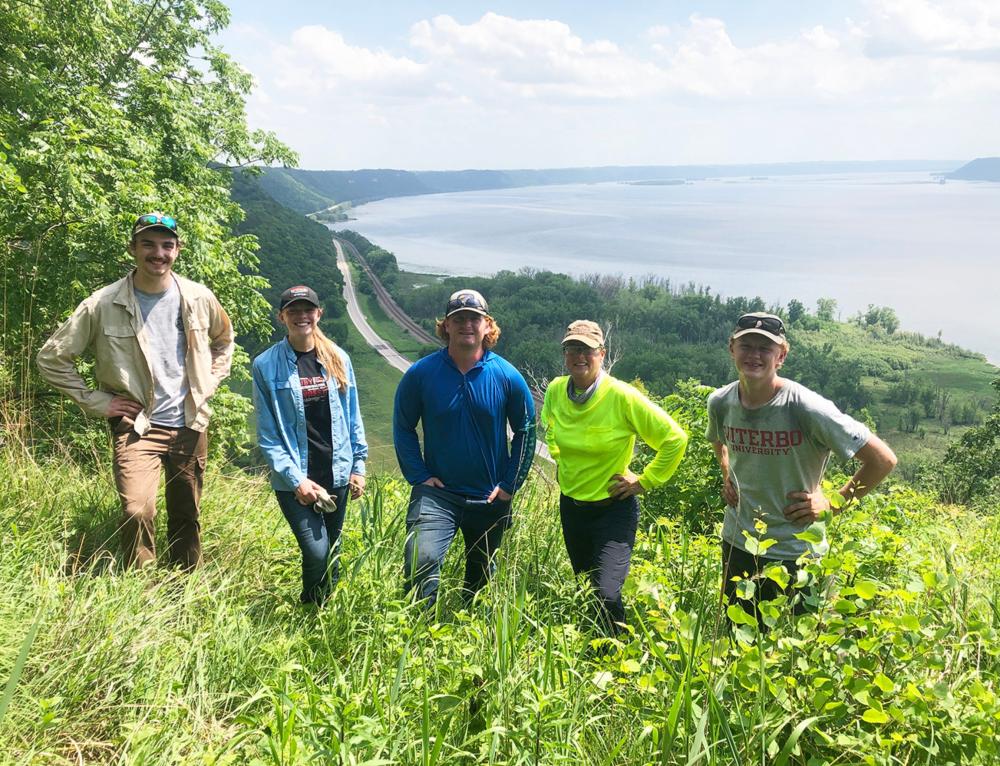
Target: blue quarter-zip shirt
[464,421]
[281,420]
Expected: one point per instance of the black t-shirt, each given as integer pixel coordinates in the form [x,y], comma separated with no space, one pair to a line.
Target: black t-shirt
[315,396]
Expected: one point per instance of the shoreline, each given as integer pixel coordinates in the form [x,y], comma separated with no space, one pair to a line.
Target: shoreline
[415,270]
[709,234]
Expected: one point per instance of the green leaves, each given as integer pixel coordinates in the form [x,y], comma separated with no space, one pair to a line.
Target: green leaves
[884,683]
[871,715]
[814,534]
[737,614]
[866,589]
[107,115]
[756,546]
[779,574]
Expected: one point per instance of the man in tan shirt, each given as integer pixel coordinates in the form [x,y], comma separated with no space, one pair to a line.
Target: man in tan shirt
[161,346]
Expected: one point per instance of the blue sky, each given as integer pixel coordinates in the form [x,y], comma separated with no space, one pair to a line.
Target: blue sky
[443,85]
[387,24]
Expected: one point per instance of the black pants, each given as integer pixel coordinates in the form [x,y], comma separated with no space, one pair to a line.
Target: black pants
[599,541]
[736,562]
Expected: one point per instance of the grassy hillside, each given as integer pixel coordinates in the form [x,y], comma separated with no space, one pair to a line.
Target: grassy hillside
[917,390]
[224,666]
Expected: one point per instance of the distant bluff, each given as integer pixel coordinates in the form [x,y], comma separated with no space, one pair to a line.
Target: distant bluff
[982,169]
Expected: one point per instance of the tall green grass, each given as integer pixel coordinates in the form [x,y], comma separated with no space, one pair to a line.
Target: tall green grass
[223,666]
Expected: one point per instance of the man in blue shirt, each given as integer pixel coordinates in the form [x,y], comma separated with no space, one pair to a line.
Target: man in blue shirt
[464,396]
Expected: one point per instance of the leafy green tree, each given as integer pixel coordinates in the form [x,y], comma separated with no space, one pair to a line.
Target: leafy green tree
[383,263]
[880,316]
[795,310]
[910,419]
[111,108]
[970,470]
[694,493]
[902,392]
[889,320]
[826,309]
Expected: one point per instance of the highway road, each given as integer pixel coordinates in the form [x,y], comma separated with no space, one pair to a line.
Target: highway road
[386,301]
[357,316]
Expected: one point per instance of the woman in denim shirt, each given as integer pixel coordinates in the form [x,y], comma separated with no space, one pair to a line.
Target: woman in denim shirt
[310,432]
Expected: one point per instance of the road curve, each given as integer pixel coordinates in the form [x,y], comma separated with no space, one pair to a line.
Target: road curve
[387,302]
[357,316]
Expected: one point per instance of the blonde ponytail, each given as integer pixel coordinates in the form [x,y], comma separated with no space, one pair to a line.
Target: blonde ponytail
[329,356]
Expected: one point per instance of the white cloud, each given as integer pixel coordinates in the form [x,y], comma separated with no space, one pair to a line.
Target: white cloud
[506,92]
[319,59]
[925,27]
[658,32]
[531,59]
[815,65]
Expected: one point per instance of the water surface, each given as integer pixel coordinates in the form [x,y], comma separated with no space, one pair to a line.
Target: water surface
[901,240]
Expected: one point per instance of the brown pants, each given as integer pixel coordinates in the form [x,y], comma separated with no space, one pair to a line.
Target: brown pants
[137,461]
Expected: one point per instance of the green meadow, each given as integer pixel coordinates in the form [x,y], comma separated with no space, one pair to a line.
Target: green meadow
[898,665]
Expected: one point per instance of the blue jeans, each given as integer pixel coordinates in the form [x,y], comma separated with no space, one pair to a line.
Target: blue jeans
[433,518]
[599,540]
[318,535]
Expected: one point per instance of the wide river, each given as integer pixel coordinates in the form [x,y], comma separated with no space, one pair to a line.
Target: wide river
[931,251]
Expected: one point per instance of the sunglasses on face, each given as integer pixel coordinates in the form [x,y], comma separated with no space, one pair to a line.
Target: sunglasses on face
[768,324]
[580,351]
[154,219]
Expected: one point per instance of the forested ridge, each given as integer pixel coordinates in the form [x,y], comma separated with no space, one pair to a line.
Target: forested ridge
[924,391]
[309,191]
[292,250]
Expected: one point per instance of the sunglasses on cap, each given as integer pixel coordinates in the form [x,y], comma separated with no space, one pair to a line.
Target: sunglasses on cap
[156,219]
[465,301]
[756,322]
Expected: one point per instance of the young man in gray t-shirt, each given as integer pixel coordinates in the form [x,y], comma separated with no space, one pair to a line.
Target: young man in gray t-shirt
[161,346]
[773,439]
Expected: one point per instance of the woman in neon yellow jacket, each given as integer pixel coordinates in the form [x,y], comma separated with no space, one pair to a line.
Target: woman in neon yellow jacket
[591,422]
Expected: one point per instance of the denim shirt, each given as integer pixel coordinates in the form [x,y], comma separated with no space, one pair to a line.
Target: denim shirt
[281,420]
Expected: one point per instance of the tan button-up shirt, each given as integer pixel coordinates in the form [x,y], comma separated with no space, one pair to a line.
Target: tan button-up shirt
[109,324]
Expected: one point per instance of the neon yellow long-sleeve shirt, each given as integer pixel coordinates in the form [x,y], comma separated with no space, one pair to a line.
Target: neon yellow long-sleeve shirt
[593,441]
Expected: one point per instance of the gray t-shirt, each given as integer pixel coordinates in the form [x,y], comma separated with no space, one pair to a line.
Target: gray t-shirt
[781,447]
[164,329]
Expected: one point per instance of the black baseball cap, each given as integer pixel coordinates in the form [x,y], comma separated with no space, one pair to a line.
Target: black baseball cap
[298,293]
